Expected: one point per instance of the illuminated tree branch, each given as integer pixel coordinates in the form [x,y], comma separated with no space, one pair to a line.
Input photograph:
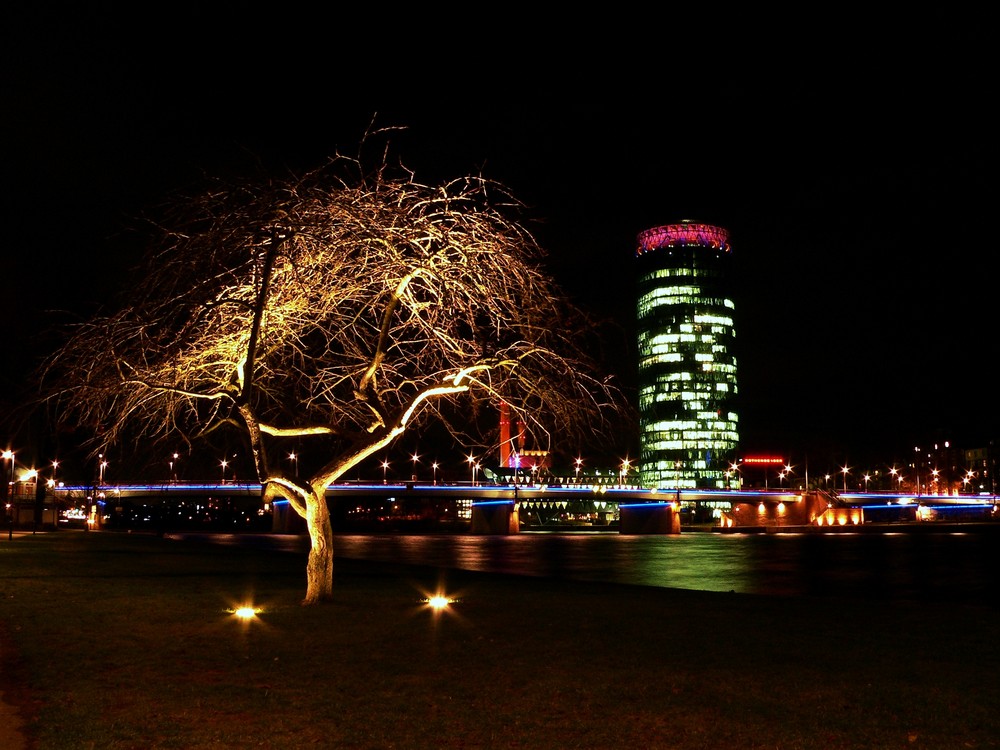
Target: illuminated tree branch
[337,307]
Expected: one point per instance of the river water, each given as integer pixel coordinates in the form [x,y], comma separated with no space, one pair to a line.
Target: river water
[946,566]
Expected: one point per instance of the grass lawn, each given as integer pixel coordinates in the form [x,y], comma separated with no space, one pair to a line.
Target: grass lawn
[112,640]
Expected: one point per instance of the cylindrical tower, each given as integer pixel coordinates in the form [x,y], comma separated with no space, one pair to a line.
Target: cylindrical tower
[687,366]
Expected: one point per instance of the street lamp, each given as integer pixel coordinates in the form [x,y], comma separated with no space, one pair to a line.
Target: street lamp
[621,477]
[101,467]
[578,462]
[845,470]
[295,462]
[415,458]
[223,463]
[472,467]
[969,474]
[385,468]
[867,477]
[434,468]
[9,456]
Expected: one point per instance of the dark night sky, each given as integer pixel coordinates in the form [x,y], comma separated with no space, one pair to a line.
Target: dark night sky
[856,182]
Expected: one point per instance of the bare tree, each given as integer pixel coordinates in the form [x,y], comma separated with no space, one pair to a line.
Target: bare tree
[340,307]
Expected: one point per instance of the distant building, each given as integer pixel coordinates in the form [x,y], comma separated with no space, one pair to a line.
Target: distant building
[687,366]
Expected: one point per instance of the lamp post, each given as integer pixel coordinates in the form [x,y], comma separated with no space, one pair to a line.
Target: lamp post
[9,455]
[845,470]
[223,463]
[295,463]
[472,467]
[576,470]
[434,468]
[415,458]
[101,467]
[867,477]
[385,468]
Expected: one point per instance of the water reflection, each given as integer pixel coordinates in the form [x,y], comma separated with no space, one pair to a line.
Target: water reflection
[885,566]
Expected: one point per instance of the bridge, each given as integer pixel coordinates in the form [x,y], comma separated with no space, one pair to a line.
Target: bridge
[499,508]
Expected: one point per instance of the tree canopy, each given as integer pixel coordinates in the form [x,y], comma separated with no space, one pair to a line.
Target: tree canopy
[342,307]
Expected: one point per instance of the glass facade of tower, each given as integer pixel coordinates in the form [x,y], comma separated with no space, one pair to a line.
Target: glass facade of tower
[687,367]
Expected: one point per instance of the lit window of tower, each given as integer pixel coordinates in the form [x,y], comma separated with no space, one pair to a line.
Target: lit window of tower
[687,367]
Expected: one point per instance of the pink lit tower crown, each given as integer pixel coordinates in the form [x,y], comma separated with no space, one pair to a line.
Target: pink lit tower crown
[687,368]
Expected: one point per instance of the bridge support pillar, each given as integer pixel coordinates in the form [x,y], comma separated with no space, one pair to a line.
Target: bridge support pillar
[649,518]
[495,518]
[284,520]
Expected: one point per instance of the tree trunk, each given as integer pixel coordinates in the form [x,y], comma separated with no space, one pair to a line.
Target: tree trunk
[319,568]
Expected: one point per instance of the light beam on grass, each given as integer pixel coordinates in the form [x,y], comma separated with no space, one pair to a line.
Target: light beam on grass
[246,613]
[438,602]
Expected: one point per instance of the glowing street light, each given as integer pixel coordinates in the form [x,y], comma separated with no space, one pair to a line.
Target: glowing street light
[9,456]
[101,467]
[578,462]
[223,463]
[385,468]
[173,475]
[968,478]
[295,462]
[624,472]
[415,458]
[472,467]
[845,470]
[867,477]
[434,468]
